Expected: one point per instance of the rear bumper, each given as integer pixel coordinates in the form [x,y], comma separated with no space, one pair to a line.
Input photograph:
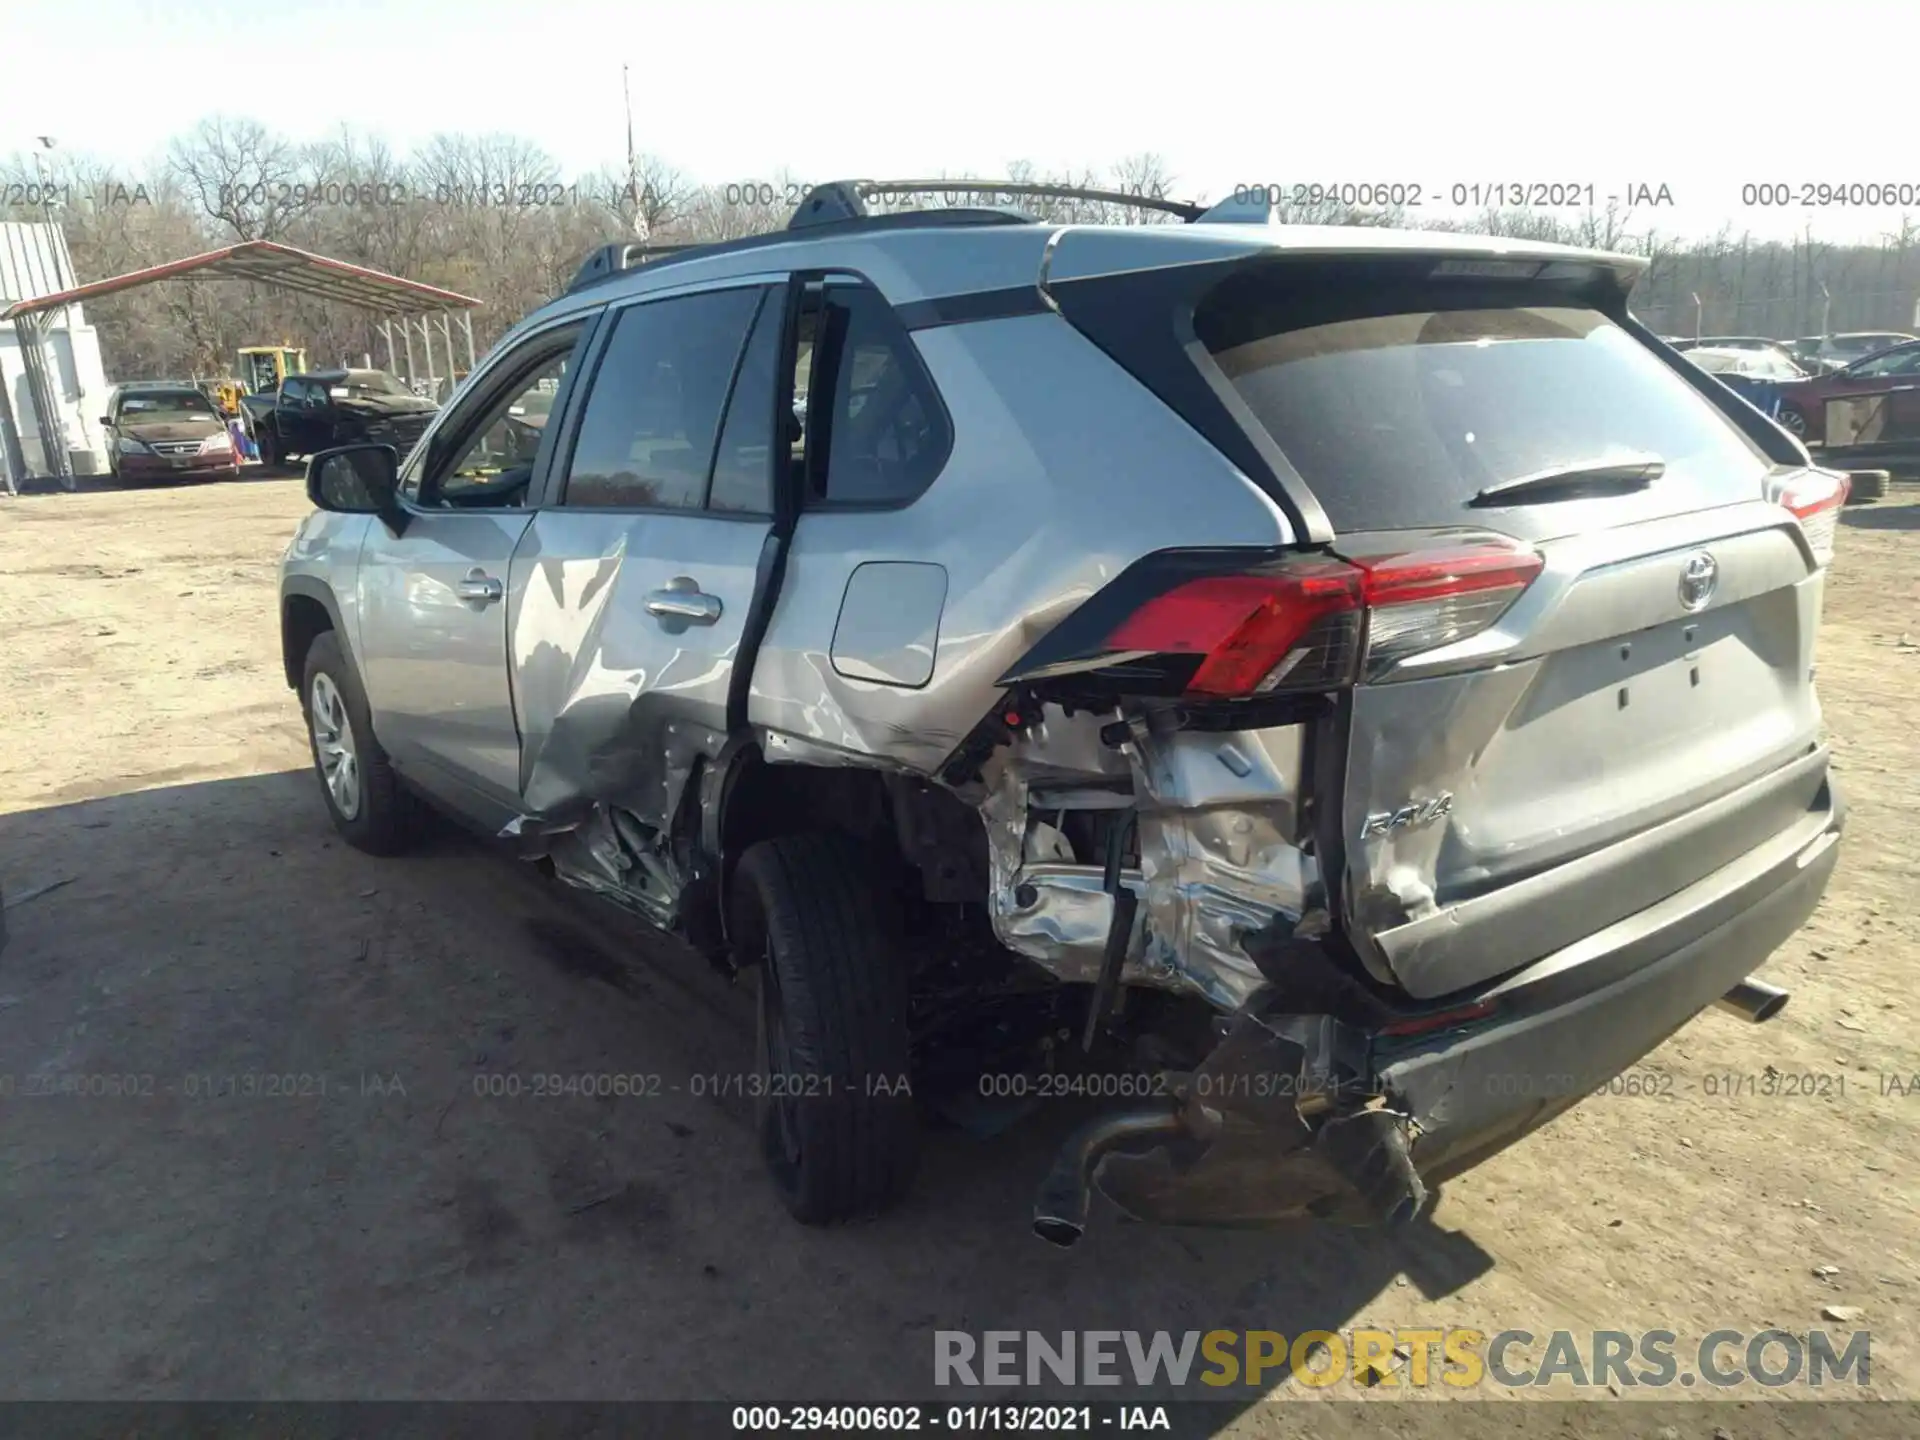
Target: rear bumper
[1300,1114]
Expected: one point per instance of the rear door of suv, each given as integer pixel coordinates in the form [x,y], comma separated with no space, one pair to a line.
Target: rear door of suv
[1587,671]
[632,590]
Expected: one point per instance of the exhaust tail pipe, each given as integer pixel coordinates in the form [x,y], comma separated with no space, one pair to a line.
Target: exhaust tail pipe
[1369,1150]
[1754,1000]
[1060,1209]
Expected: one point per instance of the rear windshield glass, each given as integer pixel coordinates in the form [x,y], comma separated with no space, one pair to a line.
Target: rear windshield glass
[1398,405]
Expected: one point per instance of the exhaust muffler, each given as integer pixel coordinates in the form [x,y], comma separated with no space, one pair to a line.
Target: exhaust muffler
[1754,1000]
[1060,1209]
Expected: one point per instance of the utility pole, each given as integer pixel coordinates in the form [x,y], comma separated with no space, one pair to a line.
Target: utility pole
[633,168]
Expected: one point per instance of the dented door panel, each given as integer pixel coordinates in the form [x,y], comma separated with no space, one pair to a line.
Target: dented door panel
[615,701]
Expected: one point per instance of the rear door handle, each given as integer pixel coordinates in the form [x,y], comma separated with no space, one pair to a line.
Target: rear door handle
[480,587]
[682,602]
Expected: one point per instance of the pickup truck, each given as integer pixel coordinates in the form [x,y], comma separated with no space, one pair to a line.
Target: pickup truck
[314,412]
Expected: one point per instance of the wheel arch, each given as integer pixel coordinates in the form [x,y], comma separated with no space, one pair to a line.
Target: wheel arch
[308,610]
[931,833]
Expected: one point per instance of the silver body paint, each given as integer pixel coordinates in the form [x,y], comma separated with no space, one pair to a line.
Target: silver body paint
[572,716]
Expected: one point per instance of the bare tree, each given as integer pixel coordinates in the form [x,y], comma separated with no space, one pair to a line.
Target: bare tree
[245,177]
[493,216]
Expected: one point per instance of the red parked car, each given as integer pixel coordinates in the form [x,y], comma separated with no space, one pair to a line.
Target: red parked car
[1803,403]
[167,432]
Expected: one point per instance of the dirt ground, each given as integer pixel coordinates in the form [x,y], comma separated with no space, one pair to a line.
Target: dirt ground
[400,1236]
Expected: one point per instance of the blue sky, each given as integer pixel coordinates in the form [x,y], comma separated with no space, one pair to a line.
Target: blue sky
[1617,95]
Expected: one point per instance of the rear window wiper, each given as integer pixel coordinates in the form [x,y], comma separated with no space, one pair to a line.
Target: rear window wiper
[1634,473]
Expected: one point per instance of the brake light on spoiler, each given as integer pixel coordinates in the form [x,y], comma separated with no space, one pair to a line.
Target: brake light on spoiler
[1222,624]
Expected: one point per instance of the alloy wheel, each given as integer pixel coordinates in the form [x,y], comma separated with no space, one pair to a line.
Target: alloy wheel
[333,745]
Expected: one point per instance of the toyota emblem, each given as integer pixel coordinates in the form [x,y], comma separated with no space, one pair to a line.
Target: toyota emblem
[1698,577]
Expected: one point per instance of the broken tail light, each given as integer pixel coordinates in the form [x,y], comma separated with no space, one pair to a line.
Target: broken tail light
[1230,625]
[1815,499]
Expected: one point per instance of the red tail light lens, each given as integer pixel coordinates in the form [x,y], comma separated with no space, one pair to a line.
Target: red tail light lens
[1299,625]
[1815,499]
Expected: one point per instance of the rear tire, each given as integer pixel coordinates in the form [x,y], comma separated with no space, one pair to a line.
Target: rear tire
[1792,421]
[269,445]
[363,795]
[837,1125]
[1867,485]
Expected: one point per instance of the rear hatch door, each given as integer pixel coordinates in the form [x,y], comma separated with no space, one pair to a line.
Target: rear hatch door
[1642,714]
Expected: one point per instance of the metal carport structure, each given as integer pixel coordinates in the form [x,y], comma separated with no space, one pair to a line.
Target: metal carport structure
[264,262]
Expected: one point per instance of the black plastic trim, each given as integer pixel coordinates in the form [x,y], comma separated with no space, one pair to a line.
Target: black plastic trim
[309,588]
[771,569]
[1143,320]
[976,305]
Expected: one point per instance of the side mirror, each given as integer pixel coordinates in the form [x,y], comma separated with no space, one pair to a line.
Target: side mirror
[106,419]
[358,480]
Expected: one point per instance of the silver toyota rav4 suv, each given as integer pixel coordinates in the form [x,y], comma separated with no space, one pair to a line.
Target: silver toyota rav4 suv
[1338,695]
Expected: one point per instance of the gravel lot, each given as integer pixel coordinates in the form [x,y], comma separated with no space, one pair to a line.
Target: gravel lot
[400,1236]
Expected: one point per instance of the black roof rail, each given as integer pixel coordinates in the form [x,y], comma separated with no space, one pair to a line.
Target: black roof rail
[622,255]
[611,260]
[842,200]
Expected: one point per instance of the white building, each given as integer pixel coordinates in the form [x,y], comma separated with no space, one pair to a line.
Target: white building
[34,262]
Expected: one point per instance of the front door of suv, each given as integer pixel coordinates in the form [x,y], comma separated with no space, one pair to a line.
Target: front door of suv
[632,588]
[433,618]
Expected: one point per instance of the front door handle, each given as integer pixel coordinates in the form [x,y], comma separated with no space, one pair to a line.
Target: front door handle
[480,587]
[683,603]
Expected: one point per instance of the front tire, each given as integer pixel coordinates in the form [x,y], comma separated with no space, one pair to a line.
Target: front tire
[1792,421]
[362,793]
[836,1121]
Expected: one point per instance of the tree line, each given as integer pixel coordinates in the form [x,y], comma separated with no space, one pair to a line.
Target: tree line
[494,217]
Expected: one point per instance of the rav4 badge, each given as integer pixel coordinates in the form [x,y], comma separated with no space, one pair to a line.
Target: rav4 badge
[1421,812]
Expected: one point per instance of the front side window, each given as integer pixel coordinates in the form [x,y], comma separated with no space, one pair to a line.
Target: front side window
[1894,362]
[647,434]
[493,465]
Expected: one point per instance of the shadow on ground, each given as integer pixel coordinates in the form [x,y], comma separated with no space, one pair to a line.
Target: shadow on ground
[1899,511]
[92,484]
[289,1122]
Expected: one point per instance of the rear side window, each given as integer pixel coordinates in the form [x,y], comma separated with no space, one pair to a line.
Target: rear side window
[646,438]
[1398,405]
[869,403]
[743,465]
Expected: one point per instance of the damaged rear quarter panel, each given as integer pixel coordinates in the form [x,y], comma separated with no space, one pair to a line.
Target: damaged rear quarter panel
[1219,858]
[1063,472]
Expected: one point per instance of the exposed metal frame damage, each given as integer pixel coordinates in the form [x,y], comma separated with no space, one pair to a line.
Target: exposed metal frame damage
[1220,850]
